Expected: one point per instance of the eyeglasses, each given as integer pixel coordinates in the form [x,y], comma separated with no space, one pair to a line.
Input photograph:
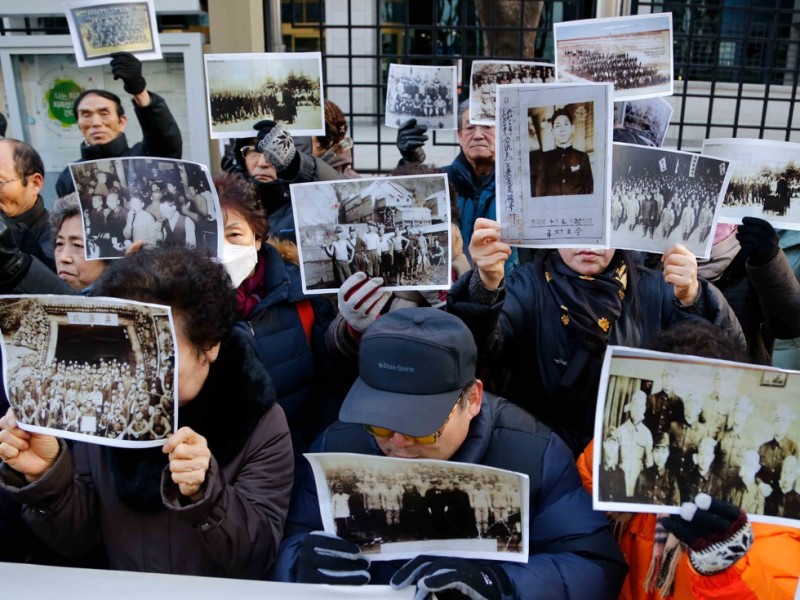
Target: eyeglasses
[2,183]
[245,150]
[425,440]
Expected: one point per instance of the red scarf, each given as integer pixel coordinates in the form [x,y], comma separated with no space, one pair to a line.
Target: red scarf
[248,294]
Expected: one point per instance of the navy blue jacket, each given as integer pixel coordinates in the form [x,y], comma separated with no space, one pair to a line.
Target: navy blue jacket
[475,197]
[309,382]
[522,337]
[572,551]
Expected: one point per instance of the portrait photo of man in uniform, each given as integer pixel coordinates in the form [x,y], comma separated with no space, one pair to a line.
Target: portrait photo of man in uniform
[557,167]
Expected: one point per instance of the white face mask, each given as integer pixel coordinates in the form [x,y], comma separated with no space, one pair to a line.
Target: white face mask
[239,262]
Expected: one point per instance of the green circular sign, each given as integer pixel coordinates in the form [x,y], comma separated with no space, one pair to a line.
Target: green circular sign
[59,101]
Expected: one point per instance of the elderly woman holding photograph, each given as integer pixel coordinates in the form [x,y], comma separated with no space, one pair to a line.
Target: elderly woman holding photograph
[213,499]
[549,322]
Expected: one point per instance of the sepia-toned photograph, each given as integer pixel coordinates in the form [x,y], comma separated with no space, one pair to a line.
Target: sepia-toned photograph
[99,28]
[397,228]
[427,94]
[765,182]
[553,174]
[664,197]
[156,201]
[670,426]
[243,89]
[395,508]
[488,74]
[643,122]
[96,370]
[634,53]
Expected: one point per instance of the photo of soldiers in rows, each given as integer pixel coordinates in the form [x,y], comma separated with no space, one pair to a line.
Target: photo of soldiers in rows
[424,93]
[243,89]
[105,28]
[277,101]
[156,202]
[117,388]
[669,438]
[371,508]
[626,71]
[664,196]
[487,75]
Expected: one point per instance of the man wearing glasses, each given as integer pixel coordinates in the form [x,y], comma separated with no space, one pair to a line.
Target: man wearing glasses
[417,397]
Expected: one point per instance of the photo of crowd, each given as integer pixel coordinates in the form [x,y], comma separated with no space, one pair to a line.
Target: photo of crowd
[243,89]
[376,502]
[427,94]
[662,197]
[158,202]
[487,75]
[397,228]
[90,369]
[634,53]
[765,180]
[643,122]
[674,427]
[99,28]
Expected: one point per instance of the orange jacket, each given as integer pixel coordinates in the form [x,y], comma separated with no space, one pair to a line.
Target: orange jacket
[769,570]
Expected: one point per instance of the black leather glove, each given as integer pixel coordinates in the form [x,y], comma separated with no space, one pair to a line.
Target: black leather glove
[410,140]
[14,263]
[275,143]
[718,533]
[434,574]
[758,239]
[325,558]
[127,67]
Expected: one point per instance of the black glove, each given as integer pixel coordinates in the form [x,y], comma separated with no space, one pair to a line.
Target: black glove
[758,239]
[433,574]
[14,263]
[718,533]
[127,67]
[410,140]
[325,558]
[275,143]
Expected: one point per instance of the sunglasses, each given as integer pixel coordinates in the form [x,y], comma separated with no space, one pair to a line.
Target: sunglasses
[425,440]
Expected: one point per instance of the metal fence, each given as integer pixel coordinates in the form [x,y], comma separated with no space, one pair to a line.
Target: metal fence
[736,68]
[359,39]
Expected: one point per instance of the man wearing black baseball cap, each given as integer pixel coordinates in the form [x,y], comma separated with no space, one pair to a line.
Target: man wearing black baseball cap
[417,397]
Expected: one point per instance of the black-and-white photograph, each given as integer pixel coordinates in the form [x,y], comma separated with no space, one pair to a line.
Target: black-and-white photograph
[397,508]
[101,27]
[554,148]
[634,53]
[488,74]
[765,180]
[427,94]
[664,197]
[397,228]
[670,426]
[97,370]
[156,201]
[243,89]
[643,122]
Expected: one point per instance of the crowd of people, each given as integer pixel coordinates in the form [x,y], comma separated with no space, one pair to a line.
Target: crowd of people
[773,193]
[149,205]
[645,202]
[505,376]
[276,101]
[622,69]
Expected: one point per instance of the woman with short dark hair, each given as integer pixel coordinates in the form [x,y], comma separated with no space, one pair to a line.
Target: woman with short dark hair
[213,499]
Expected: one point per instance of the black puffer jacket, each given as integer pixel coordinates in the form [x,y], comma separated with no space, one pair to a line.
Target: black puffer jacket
[160,137]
